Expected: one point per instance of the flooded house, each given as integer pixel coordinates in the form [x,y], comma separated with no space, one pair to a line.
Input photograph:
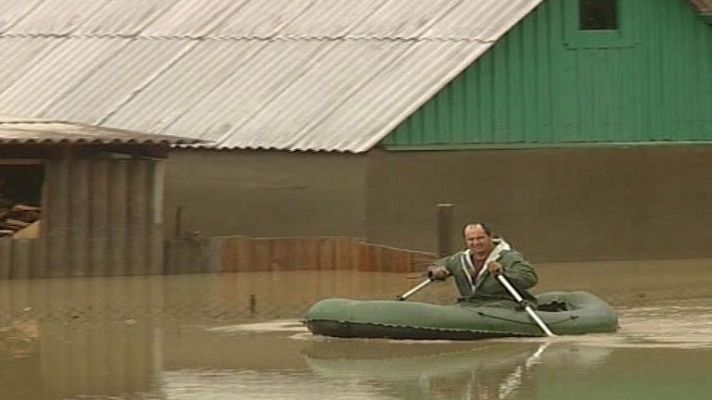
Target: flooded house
[579,128]
[80,200]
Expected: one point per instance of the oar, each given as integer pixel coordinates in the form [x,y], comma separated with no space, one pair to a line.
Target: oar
[521,302]
[514,379]
[415,289]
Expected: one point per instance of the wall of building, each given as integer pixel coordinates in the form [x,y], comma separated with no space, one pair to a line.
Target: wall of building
[555,204]
[545,82]
[99,216]
[265,193]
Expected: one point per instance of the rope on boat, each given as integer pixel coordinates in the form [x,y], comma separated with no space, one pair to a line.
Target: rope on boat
[483,314]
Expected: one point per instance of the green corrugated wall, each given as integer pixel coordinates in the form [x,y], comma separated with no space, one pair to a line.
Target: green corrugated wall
[538,86]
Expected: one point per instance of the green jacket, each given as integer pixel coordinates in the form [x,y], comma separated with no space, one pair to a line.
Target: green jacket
[487,288]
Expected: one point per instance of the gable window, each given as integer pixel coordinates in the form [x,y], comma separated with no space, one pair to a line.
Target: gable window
[599,23]
[598,15]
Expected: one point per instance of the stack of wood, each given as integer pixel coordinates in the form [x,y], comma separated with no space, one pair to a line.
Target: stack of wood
[17,219]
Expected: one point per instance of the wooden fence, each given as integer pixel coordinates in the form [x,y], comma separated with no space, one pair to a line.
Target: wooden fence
[23,258]
[241,254]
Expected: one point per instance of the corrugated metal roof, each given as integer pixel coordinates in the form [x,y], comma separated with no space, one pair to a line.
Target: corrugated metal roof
[334,75]
[28,131]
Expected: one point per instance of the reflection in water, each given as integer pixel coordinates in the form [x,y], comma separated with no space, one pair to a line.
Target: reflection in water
[252,385]
[65,362]
[61,342]
[195,337]
[514,380]
[429,371]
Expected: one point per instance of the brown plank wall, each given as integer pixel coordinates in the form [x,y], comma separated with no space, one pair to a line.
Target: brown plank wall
[245,254]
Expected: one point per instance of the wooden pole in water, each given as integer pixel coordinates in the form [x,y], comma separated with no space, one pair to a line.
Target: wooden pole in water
[253,305]
[179,222]
[445,229]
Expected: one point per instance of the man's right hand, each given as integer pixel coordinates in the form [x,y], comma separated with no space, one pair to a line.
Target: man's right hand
[438,273]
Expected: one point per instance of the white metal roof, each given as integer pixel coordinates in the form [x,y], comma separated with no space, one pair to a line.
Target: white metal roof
[334,75]
[37,131]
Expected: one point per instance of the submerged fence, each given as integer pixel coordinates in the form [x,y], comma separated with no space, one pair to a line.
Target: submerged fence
[24,258]
[244,254]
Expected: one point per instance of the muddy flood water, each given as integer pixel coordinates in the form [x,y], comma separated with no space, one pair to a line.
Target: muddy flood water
[239,336]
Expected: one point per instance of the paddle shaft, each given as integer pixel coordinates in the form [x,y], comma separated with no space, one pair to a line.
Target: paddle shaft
[415,289]
[527,307]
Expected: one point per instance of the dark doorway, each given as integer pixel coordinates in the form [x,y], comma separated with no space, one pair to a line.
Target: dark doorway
[20,199]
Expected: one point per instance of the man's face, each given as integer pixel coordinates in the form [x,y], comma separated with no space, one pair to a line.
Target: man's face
[477,240]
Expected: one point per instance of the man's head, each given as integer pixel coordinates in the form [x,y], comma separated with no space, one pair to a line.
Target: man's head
[478,238]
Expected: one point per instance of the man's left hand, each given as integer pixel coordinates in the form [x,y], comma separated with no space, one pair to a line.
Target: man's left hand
[495,268]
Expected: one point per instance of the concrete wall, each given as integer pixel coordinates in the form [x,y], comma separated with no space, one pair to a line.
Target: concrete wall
[555,204]
[265,193]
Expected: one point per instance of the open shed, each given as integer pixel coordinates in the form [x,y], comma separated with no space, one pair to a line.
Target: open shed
[80,200]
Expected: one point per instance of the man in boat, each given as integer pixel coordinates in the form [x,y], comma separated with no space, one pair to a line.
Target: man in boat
[475,269]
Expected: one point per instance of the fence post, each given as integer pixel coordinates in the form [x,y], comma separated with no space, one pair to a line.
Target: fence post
[445,229]
[253,305]
[179,222]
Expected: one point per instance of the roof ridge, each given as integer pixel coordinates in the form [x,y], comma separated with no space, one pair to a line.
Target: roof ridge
[396,38]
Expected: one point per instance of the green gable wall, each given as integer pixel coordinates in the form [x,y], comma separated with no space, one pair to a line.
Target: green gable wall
[545,84]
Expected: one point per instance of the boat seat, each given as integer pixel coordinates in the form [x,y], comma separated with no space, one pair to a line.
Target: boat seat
[554,306]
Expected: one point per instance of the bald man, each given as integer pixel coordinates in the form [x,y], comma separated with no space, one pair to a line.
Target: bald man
[475,269]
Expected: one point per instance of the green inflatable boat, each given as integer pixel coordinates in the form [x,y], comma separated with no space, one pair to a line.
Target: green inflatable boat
[570,313]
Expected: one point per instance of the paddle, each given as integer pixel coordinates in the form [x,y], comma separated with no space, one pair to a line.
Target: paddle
[526,306]
[415,289]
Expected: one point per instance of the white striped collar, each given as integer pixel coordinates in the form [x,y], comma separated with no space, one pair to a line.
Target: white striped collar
[500,246]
